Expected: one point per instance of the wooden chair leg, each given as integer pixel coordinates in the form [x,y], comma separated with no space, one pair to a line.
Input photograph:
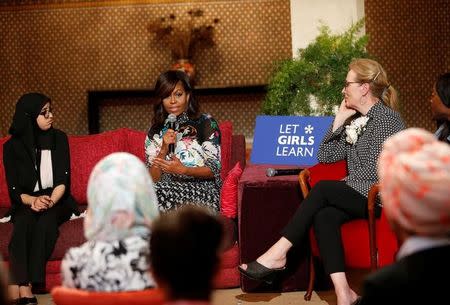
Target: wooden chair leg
[312,275]
[372,228]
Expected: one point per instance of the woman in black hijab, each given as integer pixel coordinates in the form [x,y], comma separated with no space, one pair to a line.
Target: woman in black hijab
[37,167]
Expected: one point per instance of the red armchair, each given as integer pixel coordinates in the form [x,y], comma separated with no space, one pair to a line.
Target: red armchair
[367,243]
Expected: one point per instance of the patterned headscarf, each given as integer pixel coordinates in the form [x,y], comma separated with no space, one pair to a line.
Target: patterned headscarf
[414,171]
[121,197]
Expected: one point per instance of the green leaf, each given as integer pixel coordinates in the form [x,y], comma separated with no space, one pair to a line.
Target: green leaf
[319,71]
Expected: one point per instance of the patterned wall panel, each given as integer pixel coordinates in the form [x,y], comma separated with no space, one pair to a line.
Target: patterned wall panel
[241,109]
[67,51]
[411,39]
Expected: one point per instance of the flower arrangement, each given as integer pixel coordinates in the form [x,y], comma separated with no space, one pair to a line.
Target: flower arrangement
[184,34]
[355,128]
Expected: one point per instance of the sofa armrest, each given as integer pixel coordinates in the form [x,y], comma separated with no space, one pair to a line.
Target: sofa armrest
[238,150]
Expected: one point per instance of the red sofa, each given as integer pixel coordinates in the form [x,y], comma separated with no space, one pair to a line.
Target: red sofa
[85,152]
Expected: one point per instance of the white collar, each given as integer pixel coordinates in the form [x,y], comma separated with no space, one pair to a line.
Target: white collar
[415,244]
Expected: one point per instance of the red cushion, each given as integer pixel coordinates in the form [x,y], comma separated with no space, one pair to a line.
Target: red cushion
[135,142]
[67,296]
[85,152]
[226,131]
[229,192]
[4,194]
[327,171]
[228,275]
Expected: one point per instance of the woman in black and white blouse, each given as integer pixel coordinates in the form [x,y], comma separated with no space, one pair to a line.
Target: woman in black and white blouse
[364,121]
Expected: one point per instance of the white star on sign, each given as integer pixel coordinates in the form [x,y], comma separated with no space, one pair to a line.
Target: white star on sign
[309,129]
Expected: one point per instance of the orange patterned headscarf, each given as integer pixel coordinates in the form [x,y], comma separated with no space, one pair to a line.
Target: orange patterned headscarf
[414,171]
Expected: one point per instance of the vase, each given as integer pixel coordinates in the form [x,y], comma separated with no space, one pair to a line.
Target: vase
[187,67]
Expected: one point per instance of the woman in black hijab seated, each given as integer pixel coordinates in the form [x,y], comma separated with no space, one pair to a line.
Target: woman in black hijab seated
[37,167]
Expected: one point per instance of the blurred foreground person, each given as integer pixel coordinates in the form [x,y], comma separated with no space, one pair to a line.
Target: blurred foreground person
[121,206]
[414,171]
[185,250]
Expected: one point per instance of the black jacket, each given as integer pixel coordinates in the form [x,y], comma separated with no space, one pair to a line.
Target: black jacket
[420,278]
[21,174]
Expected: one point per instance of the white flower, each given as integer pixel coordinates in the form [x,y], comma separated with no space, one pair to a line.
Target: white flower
[352,136]
[356,128]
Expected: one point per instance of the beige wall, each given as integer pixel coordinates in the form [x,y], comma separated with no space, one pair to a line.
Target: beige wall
[411,39]
[68,49]
[306,16]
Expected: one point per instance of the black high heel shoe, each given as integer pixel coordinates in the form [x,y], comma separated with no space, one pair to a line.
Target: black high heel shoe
[28,301]
[259,272]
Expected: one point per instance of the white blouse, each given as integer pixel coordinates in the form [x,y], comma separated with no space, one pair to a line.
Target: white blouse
[46,170]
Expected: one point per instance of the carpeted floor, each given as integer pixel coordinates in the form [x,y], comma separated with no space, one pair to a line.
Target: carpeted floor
[237,297]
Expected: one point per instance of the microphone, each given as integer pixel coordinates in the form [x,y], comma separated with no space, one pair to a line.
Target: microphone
[171,119]
[270,172]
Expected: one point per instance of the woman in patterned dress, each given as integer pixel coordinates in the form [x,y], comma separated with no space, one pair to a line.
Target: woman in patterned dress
[364,120]
[122,205]
[191,175]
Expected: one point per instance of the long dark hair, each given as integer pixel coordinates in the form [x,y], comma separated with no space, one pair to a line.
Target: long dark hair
[164,86]
[443,88]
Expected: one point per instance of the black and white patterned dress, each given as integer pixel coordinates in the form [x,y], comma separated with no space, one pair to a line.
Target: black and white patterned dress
[198,144]
[120,265]
[362,156]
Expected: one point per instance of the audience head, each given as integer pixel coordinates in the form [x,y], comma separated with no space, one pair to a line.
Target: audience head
[121,197]
[185,248]
[440,98]
[414,171]
[370,72]
[174,93]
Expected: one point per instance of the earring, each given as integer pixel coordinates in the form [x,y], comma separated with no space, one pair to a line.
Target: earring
[362,100]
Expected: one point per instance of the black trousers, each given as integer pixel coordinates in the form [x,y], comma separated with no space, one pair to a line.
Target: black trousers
[32,241]
[328,205]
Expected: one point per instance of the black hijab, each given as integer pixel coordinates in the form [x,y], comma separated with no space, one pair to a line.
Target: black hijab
[25,128]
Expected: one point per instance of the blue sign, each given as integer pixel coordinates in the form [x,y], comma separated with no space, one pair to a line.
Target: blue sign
[290,140]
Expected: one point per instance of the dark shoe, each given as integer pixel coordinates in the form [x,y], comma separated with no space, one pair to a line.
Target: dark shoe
[259,272]
[28,301]
[357,301]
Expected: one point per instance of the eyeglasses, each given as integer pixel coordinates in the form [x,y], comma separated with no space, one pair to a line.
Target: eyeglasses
[46,112]
[346,84]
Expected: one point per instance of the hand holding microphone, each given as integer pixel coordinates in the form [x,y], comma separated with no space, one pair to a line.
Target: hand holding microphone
[271,172]
[171,119]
